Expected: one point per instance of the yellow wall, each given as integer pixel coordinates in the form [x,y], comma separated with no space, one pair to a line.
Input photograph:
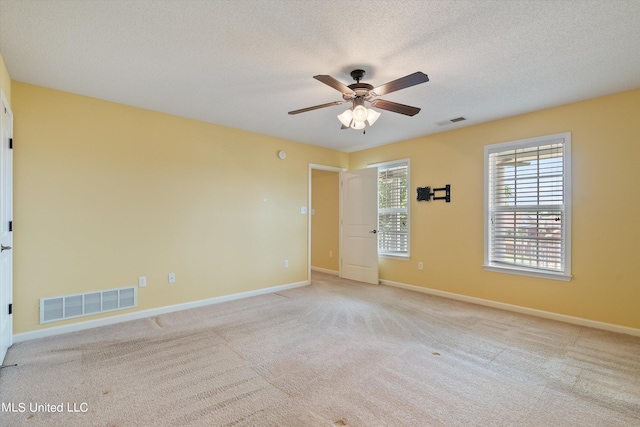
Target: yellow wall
[105,193]
[325,200]
[5,80]
[448,237]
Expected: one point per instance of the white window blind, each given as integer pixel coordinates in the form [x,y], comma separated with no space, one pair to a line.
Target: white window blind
[527,198]
[393,208]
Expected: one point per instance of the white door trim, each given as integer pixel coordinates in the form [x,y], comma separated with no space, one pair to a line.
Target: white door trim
[6,236]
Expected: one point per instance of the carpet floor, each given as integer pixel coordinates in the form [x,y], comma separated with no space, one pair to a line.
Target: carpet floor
[334,353]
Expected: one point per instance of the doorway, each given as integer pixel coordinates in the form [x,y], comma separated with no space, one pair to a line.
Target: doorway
[342,222]
[324,219]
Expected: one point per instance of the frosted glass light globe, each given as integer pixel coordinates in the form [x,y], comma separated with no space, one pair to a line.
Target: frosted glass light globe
[345,118]
[357,125]
[360,113]
[372,116]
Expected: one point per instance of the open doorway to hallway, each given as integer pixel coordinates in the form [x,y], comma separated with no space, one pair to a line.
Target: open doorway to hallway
[325,219]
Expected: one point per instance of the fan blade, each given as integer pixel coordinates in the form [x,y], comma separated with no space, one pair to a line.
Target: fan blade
[401,83]
[316,107]
[407,110]
[330,81]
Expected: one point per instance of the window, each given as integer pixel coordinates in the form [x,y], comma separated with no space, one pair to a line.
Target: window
[527,207]
[393,208]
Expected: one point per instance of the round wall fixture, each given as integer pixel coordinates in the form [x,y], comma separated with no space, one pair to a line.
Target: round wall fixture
[282,155]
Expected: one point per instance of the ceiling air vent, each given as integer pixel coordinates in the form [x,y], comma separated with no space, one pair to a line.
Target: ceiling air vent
[448,122]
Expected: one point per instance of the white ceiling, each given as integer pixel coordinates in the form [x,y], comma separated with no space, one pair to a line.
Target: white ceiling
[245,64]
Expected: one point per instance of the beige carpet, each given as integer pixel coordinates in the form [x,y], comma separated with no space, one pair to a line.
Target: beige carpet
[336,353]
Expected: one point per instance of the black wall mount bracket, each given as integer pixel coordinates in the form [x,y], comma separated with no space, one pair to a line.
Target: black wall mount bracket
[425,193]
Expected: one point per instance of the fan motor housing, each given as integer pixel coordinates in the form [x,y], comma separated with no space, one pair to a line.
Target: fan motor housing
[361,91]
[356,87]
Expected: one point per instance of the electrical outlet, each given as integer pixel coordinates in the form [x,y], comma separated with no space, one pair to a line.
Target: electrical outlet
[286,263]
[303,210]
[142,281]
[172,277]
[420,265]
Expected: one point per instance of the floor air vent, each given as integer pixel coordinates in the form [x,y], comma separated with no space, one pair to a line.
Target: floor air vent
[69,306]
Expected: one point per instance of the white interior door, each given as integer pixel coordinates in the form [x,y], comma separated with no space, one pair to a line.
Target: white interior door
[359,220]
[6,215]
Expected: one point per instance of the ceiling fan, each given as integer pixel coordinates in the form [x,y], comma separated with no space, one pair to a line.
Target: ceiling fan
[358,93]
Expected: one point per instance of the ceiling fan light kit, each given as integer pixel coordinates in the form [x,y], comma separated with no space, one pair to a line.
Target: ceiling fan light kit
[355,118]
[358,93]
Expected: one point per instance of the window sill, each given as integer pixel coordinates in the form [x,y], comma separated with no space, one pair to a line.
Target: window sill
[528,272]
[393,256]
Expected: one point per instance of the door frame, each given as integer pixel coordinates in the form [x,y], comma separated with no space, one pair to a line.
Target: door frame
[336,169]
[6,286]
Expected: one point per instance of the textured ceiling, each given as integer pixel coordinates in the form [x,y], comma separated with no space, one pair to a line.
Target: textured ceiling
[245,64]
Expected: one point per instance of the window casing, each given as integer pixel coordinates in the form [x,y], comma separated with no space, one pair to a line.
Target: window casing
[528,207]
[393,208]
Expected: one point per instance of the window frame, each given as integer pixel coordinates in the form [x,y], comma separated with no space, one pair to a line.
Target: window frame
[388,165]
[489,265]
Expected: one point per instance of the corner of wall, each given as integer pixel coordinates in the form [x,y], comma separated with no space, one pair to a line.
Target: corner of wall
[5,80]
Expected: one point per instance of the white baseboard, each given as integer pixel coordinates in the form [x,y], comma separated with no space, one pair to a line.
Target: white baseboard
[518,309]
[111,320]
[325,270]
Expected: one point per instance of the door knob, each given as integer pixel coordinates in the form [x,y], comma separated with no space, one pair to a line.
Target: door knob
[373,231]
[4,248]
